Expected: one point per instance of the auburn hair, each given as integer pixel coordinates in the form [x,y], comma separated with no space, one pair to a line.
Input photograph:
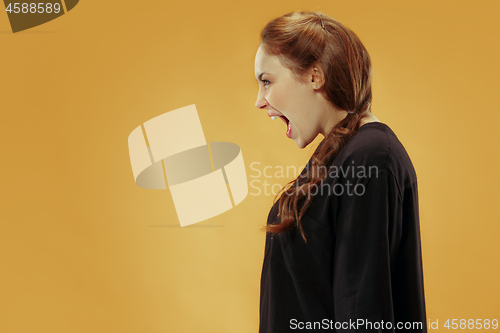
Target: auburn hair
[302,40]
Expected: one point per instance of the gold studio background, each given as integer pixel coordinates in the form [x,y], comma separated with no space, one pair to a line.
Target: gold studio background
[84,249]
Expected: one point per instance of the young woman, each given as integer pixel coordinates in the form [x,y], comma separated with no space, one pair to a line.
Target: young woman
[343,240]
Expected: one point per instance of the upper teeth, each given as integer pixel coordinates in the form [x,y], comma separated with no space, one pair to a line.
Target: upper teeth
[274,117]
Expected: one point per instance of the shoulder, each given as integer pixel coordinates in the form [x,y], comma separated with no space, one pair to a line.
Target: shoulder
[376,145]
[371,145]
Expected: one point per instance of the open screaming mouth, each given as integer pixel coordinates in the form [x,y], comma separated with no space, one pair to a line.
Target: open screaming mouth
[288,125]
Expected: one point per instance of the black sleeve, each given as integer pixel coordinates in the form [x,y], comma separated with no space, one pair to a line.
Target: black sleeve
[366,240]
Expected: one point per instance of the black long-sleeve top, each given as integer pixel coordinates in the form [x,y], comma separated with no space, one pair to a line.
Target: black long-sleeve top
[362,261]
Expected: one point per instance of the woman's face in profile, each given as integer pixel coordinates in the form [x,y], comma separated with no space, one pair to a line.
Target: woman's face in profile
[283,95]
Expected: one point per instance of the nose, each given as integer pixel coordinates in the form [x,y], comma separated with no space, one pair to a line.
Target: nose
[261,102]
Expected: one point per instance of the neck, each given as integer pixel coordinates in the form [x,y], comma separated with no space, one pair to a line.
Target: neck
[339,115]
[368,117]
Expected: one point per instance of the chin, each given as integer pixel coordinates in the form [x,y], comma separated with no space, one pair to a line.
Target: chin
[301,144]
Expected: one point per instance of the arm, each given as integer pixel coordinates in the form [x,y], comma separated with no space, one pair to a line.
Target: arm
[367,236]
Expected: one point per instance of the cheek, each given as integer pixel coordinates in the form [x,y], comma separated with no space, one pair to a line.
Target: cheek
[278,98]
[287,97]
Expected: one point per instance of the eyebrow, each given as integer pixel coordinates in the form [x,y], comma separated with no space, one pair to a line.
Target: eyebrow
[260,75]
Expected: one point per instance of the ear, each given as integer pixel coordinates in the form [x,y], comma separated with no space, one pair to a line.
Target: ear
[316,77]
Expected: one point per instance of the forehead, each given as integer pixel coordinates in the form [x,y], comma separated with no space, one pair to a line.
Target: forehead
[265,63]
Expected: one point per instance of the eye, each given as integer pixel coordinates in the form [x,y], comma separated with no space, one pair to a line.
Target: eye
[266,82]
